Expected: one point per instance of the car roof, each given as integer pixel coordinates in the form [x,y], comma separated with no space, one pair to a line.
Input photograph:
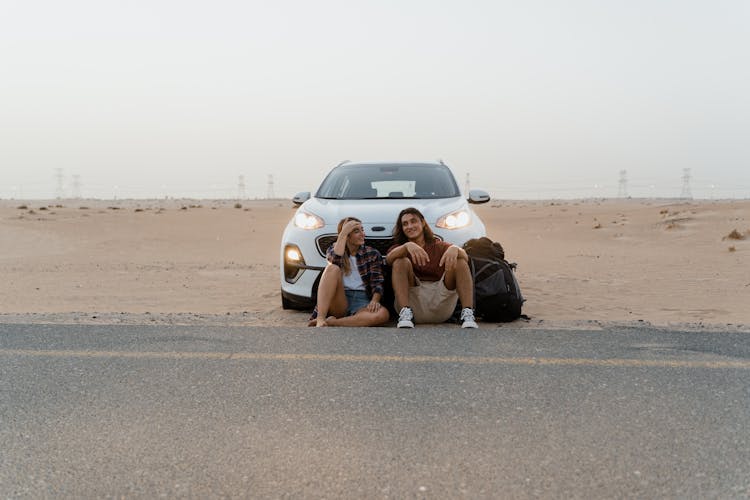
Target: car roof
[399,163]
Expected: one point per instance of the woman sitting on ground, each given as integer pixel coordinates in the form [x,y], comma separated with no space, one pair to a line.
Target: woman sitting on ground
[351,287]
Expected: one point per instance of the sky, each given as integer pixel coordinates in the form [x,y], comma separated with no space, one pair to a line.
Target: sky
[531,99]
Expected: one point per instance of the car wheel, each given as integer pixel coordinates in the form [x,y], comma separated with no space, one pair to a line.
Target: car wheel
[286,303]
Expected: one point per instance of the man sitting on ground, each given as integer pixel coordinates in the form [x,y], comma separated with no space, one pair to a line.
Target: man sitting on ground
[428,275]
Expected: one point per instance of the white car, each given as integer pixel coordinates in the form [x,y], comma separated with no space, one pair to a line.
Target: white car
[375,193]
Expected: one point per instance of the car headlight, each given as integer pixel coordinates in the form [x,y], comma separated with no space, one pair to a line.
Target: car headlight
[454,220]
[292,261]
[304,220]
[293,254]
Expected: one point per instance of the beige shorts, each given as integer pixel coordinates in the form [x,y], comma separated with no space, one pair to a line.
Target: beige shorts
[431,301]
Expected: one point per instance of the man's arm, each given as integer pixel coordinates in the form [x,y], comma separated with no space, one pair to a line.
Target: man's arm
[451,255]
[462,254]
[396,253]
[417,254]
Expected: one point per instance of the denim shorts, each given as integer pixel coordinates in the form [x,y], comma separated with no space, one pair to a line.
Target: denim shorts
[356,300]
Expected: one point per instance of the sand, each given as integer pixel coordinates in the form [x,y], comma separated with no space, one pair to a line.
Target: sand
[590,263]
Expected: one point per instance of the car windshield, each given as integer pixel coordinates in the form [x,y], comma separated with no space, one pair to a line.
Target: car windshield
[358,182]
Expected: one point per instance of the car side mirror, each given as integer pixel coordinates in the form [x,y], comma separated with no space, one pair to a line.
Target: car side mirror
[478,196]
[301,197]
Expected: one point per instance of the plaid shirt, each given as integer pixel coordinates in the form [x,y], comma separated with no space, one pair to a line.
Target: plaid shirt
[369,265]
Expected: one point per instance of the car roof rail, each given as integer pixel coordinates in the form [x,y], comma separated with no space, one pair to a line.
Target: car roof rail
[440,161]
[343,162]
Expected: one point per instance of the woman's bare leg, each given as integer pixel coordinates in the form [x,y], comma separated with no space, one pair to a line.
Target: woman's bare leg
[331,298]
[363,317]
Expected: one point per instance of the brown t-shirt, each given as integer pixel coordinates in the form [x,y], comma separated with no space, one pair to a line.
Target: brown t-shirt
[431,271]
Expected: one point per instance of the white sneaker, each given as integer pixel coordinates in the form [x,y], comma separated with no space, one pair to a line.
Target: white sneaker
[405,318]
[467,318]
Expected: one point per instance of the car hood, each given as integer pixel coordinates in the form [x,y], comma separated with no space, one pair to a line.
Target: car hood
[381,211]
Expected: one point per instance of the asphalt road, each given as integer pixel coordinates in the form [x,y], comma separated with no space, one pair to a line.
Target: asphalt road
[502,412]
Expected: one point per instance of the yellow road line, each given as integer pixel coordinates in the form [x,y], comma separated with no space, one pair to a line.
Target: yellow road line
[469,360]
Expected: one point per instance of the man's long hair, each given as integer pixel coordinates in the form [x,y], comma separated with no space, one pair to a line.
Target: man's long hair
[347,266]
[399,237]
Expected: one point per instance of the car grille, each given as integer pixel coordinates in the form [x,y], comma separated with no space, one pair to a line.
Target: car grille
[380,244]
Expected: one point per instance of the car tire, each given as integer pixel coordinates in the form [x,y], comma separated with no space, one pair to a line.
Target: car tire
[286,303]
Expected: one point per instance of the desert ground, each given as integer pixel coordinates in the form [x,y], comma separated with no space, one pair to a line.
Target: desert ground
[587,263]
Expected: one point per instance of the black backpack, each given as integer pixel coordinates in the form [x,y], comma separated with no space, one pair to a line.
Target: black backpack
[497,296]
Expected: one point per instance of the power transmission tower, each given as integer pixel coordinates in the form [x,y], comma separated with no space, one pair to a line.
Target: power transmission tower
[686,194]
[59,192]
[76,193]
[241,188]
[622,190]
[467,186]
[269,189]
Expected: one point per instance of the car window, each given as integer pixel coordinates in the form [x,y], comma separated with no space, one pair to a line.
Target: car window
[395,189]
[355,182]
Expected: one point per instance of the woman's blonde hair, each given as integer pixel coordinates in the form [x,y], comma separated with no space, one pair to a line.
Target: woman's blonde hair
[346,264]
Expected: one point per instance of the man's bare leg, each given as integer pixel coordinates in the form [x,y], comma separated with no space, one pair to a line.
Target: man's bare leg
[460,279]
[402,277]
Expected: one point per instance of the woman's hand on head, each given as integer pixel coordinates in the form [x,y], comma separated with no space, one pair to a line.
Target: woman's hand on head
[348,227]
